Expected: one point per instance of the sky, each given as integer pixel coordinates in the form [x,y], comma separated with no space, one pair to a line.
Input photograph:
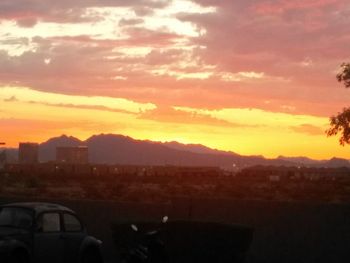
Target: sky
[256,77]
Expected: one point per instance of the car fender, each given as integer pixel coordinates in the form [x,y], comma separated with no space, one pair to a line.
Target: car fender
[89,242]
[12,245]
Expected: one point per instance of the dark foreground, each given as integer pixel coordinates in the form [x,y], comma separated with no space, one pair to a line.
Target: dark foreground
[283,232]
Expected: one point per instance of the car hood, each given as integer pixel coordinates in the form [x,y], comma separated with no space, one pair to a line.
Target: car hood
[11,231]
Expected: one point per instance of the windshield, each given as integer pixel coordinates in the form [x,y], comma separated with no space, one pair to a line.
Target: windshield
[15,217]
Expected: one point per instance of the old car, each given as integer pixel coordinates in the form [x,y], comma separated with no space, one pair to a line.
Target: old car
[45,232]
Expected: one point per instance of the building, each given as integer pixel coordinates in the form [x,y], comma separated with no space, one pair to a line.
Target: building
[28,153]
[72,155]
[2,158]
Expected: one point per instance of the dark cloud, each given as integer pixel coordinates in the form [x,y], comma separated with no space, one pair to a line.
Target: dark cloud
[143,11]
[130,22]
[85,107]
[26,21]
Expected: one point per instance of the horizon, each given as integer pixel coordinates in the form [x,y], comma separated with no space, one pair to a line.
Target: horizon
[163,142]
[250,77]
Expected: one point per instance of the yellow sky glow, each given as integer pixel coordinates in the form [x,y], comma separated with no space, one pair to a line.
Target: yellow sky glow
[230,76]
[246,131]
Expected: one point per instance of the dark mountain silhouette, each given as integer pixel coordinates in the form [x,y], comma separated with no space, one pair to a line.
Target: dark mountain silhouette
[47,150]
[119,149]
[196,148]
[299,160]
[336,162]
[109,148]
[304,161]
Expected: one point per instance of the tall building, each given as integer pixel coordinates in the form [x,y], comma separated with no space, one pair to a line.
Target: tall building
[28,153]
[72,155]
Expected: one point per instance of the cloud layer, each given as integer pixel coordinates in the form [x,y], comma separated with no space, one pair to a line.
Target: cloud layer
[208,56]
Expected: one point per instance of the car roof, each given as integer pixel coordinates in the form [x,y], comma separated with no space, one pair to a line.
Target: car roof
[39,207]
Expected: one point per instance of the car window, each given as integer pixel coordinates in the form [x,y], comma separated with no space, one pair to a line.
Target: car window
[15,217]
[71,223]
[50,222]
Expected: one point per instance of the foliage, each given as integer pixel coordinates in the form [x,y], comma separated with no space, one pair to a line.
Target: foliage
[340,123]
[344,75]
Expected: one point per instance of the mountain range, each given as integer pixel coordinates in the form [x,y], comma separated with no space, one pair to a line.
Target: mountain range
[119,149]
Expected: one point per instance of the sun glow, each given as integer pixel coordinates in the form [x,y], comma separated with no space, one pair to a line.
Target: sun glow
[208,72]
[108,103]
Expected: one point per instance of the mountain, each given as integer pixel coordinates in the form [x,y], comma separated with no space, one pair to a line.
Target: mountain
[304,161]
[336,162]
[195,148]
[118,149]
[47,150]
[109,148]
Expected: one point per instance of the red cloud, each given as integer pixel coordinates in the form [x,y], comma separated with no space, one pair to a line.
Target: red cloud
[64,11]
[299,49]
[277,7]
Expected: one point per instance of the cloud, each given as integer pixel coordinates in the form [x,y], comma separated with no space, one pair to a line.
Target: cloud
[79,102]
[130,22]
[143,10]
[164,57]
[10,99]
[171,115]
[277,44]
[33,125]
[272,55]
[282,6]
[26,21]
[309,129]
[27,12]
[86,107]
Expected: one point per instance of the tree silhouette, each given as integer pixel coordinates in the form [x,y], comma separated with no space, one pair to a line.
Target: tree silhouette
[344,75]
[340,123]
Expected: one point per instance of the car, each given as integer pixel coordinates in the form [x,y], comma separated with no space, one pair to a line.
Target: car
[44,232]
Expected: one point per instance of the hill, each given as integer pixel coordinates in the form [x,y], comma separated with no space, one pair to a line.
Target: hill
[119,149]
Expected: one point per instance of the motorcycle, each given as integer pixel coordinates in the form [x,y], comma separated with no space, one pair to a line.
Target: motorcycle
[146,247]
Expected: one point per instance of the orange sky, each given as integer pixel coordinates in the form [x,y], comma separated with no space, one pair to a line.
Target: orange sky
[253,77]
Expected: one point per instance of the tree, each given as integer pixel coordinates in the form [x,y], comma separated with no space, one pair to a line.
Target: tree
[340,123]
[344,74]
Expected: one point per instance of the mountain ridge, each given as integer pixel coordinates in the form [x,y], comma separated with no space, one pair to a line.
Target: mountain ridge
[119,149]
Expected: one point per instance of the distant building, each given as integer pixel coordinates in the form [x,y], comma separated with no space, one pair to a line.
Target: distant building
[28,153]
[72,155]
[2,158]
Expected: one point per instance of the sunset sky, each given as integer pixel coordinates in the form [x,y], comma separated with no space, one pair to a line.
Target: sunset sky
[256,77]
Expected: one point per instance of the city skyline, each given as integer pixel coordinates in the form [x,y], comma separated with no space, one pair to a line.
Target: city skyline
[252,77]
